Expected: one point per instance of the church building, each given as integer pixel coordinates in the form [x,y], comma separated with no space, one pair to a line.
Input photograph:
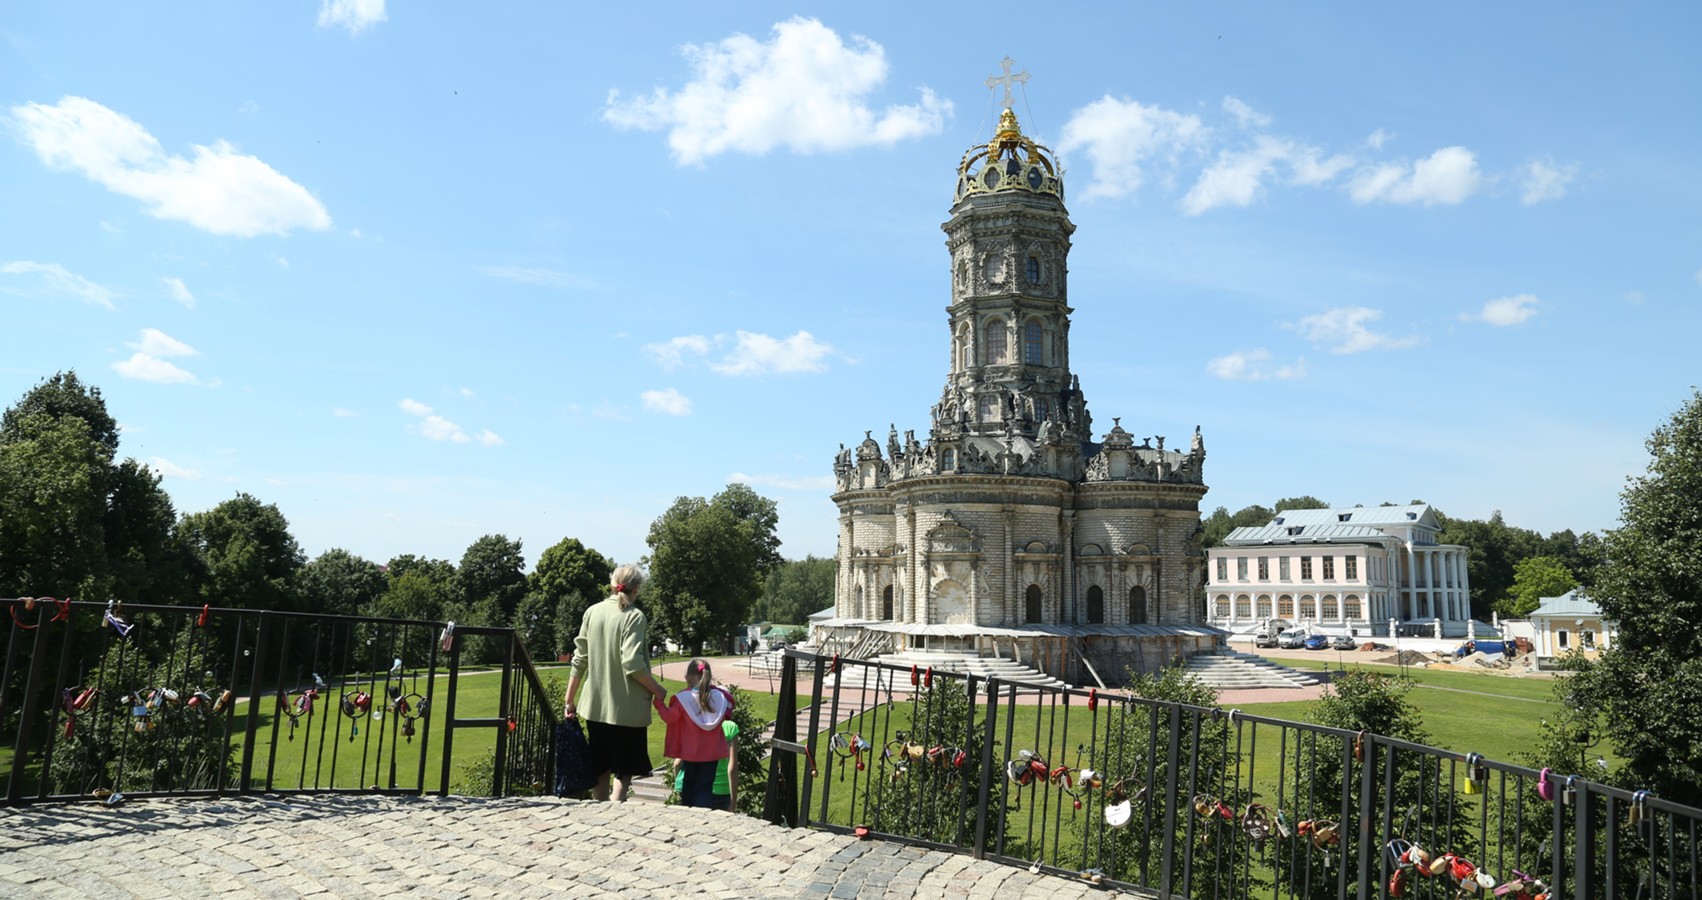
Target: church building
[1013,529]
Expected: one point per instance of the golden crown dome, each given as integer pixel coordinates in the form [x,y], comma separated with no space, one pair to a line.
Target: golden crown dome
[1011,161]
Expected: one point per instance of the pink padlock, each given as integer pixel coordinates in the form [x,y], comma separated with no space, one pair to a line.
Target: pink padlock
[1545,786]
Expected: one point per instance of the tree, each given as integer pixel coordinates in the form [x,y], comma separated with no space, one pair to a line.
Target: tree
[570,577]
[707,563]
[52,485]
[1534,578]
[75,523]
[416,595]
[146,556]
[794,590]
[492,567]
[1648,684]
[439,570]
[341,583]
[1304,501]
[1220,523]
[535,622]
[245,554]
[63,396]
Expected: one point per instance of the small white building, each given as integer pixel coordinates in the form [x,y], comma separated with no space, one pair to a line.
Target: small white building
[1359,570]
[1570,622]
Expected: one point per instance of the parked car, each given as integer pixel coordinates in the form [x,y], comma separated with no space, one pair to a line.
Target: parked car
[1343,642]
[1264,639]
[1290,640]
[1317,642]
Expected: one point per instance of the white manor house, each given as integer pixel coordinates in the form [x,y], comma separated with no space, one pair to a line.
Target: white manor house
[1012,529]
[1362,570]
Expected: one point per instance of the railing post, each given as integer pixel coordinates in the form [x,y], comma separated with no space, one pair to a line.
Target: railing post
[1369,846]
[1583,844]
[1346,809]
[780,804]
[254,700]
[449,712]
[819,666]
[984,795]
[1172,762]
[499,769]
[32,704]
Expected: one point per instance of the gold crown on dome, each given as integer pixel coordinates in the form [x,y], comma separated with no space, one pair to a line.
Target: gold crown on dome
[1011,161]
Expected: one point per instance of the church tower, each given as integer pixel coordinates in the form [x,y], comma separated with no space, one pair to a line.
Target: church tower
[1009,239]
[1011,527]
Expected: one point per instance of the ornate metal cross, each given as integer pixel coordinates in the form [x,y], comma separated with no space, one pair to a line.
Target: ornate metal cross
[1007,78]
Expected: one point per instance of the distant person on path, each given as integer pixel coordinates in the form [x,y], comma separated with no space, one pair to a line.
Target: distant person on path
[611,658]
[695,735]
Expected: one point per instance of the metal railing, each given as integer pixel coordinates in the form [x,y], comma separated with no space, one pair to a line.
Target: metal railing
[1172,800]
[108,701]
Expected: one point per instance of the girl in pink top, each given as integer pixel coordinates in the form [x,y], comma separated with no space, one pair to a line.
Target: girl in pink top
[694,737]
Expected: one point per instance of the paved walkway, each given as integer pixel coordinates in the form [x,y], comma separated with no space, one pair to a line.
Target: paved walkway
[362,846]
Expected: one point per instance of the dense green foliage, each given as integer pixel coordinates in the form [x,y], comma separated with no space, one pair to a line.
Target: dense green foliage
[1648,685]
[569,578]
[795,589]
[1534,578]
[708,560]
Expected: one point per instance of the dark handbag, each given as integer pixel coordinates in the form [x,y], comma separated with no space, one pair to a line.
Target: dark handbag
[573,760]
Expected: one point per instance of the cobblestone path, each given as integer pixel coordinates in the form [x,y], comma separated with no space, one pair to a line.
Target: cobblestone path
[361,846]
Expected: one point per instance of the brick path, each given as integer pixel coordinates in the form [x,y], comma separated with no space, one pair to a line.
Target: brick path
[360,846]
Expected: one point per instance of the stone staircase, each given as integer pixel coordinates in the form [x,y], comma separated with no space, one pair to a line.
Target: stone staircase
[1232,669]
[970,664]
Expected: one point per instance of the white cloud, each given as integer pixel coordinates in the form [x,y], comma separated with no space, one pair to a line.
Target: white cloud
[179,291]
[1120,138]
[53,279]
[1251,365]
[1504,311]
[143,367]
[1343,331]
[147,364]
[342,413]
[669,402]
[169,469]
[355,15]
[219,190]
[759,354]
[438,428]
[157,343]
[1245,115]
[752,353]
[465,392]
[281,261]
[785,483]
[1544,179]
[1237,178]
[540,277]
[1378,138]
[1448,176]
[804,89]
[678,351]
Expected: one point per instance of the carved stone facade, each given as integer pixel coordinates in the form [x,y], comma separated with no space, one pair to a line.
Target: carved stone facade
[1011,519]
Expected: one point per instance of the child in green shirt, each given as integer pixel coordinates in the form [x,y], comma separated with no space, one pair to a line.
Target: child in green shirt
[726,788]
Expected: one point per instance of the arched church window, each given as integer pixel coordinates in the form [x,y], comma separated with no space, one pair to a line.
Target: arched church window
[1033,343]
[886,603]
[1243,606]
[948,460]
[1308,607]
[1350,607]
[1034,270]
[857,602]
[963,275]
[1220,606]
[1137,605]
[996,344]
[965,355]
[1095,605]
[1285,606]
[1264,606]
[1031,605]
[1042,409]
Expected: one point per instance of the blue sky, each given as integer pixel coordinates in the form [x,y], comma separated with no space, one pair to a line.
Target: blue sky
[422,272]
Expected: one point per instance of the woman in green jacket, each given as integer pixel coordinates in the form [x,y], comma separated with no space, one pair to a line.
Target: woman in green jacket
[611,658]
